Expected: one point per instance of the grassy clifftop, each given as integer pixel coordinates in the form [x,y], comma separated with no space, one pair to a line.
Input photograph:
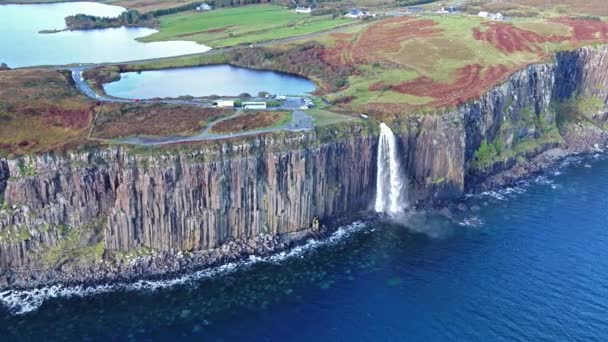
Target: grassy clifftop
[398,65]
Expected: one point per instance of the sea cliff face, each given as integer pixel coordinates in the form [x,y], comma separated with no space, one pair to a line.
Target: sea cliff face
[180,200]
[112,205]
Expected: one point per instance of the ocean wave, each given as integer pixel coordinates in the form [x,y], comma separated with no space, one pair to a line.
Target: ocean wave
[19,302]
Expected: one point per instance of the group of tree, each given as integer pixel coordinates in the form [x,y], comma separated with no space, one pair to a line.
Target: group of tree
[3,66]
[126,18]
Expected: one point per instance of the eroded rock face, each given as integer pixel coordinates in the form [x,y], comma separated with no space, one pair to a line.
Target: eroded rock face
[184,201]
[115,201]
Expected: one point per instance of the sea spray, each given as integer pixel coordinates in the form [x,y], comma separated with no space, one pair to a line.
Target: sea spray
[391,193]
[19,302]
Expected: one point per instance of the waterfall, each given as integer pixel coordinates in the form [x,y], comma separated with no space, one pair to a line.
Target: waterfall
[391,196]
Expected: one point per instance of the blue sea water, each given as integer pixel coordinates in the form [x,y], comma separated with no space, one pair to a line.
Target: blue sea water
[23,45]
[528,264]
[222,80]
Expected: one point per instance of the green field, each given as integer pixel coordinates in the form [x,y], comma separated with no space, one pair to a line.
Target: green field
[248,24]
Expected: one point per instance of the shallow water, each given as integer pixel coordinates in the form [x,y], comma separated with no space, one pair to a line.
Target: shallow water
[223,80]
[24,46]
[530,264]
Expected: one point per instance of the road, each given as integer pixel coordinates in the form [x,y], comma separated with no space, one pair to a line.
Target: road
[300,120]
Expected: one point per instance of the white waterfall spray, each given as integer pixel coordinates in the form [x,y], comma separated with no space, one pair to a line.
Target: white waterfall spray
[391,196]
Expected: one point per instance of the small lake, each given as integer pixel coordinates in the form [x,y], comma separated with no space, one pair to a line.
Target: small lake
[23,45]
[222,80]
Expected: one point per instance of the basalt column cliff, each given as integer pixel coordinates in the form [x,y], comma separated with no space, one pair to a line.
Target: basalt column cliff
[92,206]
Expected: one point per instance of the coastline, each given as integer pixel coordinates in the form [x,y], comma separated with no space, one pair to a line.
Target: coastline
[161,265]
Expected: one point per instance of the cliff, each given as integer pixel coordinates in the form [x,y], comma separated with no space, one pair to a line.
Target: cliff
[107,205]
[171,201]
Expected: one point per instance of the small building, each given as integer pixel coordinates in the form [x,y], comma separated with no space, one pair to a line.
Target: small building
[223,104]
[303,10]
[204,7]
[356,13]
[498,17]
[415,9]
[447,10]
[254,105]
[484,14]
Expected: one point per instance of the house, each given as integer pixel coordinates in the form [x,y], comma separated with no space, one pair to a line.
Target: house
[223,104]
[304,10]
[358,14]
[254,105]
[447,10]
[203,7]
[494,16]
[354,14]
[498,17]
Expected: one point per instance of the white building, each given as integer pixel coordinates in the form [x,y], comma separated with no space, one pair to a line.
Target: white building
[498,17]
[223,104]
[203,7]
[494,16]
[304,10]
[254,105]
[358,14]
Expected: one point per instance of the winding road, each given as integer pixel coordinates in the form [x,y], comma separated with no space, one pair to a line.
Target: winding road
[300,120]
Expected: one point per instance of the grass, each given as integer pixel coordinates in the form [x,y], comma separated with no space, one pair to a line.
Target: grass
[15,234]
[75,245]
[249,121]
[41,111]
[123,120]
[233,26]
[366,68]
[323,117]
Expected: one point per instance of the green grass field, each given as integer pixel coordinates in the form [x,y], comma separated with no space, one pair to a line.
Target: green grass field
[248,24]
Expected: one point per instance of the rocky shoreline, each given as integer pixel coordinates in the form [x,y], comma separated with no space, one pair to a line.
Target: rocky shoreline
[579,140]
[162,265]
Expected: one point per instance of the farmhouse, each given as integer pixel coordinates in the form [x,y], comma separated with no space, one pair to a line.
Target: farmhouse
[498,17]
[358,14]
[254,105]
[304,10]
[494,16]
[447,10]
[203,7]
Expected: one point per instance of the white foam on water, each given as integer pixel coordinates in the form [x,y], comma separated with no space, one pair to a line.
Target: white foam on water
[474,222]
[20,302]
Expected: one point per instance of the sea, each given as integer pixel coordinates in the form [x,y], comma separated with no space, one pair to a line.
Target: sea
[527,263]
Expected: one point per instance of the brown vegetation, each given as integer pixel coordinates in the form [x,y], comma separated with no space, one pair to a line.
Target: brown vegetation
[305,60]
[387,36]
[471,81]
[383,37]
[510,39]
[586,29]
[250,121]
[587,7]
[123,120]
[41,111]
